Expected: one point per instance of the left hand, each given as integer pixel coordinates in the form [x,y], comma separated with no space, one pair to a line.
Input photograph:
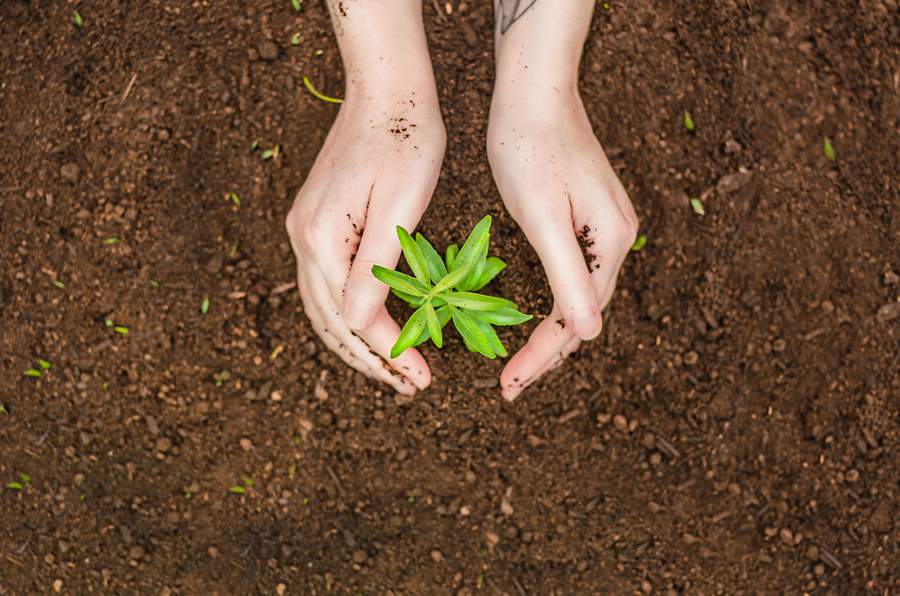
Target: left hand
[557,184]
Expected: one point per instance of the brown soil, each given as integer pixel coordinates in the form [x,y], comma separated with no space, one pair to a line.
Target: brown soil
[736,429]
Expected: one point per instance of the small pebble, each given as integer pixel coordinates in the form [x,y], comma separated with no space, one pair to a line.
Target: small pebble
[852,475]
[320,393]
[57,585]
[135,552]
[280,589]
[246,444]
[359,556]
[620,422]
[787,536]
[437,556]
[213,552]
[268,49]
[691,358]
[464,510]
[891,278]
[646,586]
[485,383]
[163,444]
[70,172]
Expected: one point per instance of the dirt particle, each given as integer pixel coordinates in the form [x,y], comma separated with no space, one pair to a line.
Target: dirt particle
[268,49]
[722,406]
[691,358]
[70,172]
[437,556]
[320,392]
[485,383]
[163,444]
[620,422]
[246,444]
[888,312]
[57,585]
[787,536]
[135,553]
[359,556]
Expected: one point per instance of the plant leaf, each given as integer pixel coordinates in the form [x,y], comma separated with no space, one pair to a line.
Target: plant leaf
[492,268]
[475,273]
[639,243]
[435,264]
[44,364]
[399,281]
[501,316]
[14,485]
[450,255]
[443,315]
[473,301]
[33,372]
[688,121]
[829,149]
[414,256]
[414,301]
[492,338]
[410,332]
[434,326]
[697,206]
[474,246]
[472,333]
[237,489]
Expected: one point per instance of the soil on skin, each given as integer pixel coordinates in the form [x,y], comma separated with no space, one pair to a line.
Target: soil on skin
[735,429]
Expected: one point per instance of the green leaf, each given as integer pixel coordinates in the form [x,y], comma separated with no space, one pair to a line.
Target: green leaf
[14,485]
[399,281]
[295,39]
[121,330]
[829,149]
[639,243]
[501,316]
[688,121]
[248,482]
[44,364]
[59,284]
[296,5]
[25,478]
[474,247]
[111,240]
[33,372]
[450,255]
[697,206]
[436,267]
[473,301]
[233,196]
[77,19]
[434,326]
[414,256]
[414,301]
[443,315]
[204,306]
[237,489]
[472,333]
[410,332]
[492,338]
[492,268]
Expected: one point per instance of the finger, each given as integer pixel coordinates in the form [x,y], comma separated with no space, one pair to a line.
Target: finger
[381,335]
[549,338]
[365,295]
[330,341]
[553,237]
[336,326]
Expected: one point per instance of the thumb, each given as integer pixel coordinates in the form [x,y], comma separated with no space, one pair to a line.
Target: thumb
[365,295]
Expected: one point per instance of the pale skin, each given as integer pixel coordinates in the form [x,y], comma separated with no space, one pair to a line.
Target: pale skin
[380,162]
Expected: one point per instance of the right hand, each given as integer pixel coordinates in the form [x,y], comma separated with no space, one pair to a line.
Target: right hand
[377,169]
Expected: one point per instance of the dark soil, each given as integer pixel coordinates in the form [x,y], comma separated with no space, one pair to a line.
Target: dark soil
[736,429]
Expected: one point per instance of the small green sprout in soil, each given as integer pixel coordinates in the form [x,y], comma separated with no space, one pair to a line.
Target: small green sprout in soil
[296,5]
[36,373]
[318,53]
[688,121]
[44,364]
[121,329]
[697,206]
[220,378]
[59,284]
[254,144]
[309,86]
[639,243]
[14,485]
[153,283]
[111,240]
[829,150]
[3,410]
[204,306]
[295,39]
[238,489]
[76,18]
[234,198]
[33,373]
[270,153]
[445,289]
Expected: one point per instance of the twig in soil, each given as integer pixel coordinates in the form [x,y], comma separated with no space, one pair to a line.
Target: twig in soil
[13,561]
[10,188]
[519,587]
[335,479]
[437,9]
[282,288]
[829,559]
[568,416]
[128,88]
[666,446]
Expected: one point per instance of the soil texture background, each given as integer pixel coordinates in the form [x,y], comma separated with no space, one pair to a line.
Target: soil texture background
[735,429]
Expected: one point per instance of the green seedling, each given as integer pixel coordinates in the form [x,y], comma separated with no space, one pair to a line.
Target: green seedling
[270,153]
[14,485]
[33,373]
[688,121]
[308,84]
[318,53]
[639,243]
[295,39]
[3,410]
[254,144]
[829,149]
[234,198]
[697,206]
[76,18]
[44,364]
[296,5]
[240,490]
[204,306]
[59,284]
[121,329]
[445,289]
[111,240]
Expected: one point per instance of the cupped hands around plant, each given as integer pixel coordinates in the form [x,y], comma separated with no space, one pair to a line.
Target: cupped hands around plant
[446,289]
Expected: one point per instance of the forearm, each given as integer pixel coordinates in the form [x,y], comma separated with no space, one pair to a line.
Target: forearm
[383,47]
[539,44]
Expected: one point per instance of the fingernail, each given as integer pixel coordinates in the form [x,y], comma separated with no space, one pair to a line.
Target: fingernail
[586,325]
[509,394]
[356,316]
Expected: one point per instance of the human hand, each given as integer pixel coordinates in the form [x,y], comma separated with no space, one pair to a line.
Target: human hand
[557,184]
[377,169]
